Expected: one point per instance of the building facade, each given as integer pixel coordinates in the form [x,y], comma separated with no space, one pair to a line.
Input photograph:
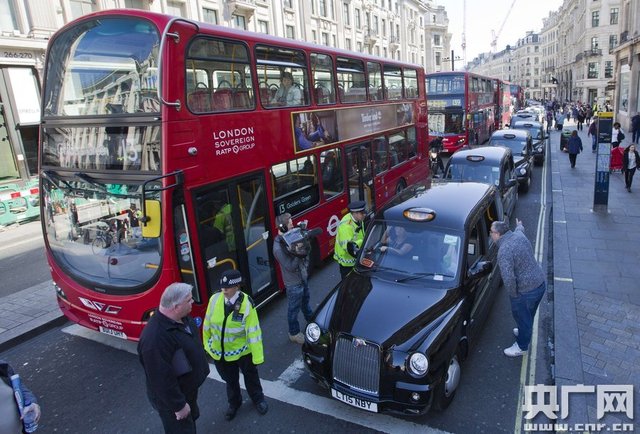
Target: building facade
[414,31]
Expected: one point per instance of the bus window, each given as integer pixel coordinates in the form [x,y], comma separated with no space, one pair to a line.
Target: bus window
[410,83]
[393,82]
[374,72]
[380,154]
[332,178]
[295,184]
[322,68]
[351,80]
[228,84]
[283,76]
[412,142]
[398,150]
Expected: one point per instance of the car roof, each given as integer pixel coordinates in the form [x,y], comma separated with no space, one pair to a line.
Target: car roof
[526,123]
[490,154]
[452,202]
[517,134]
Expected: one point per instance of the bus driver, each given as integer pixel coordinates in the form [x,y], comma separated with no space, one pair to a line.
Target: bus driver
[287,94]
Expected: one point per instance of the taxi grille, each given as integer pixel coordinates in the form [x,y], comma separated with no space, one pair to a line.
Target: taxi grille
[357,366]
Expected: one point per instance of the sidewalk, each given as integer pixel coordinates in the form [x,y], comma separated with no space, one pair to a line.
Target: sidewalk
[596,263]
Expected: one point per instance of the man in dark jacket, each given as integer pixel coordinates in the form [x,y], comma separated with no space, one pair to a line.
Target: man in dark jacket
[635,128]
[574,147]
[293,262]
[523,279]
[174,360]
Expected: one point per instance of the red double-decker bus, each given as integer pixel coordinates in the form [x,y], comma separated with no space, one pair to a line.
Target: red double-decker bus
[504,101]
[168,147]
[462,108]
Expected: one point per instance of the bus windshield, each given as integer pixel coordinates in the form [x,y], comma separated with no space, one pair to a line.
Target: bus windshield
[95,235]
[445,85]
[446,123]
[103,67]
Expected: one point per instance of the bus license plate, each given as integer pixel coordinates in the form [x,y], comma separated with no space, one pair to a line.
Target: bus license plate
[115,333]
[356,402]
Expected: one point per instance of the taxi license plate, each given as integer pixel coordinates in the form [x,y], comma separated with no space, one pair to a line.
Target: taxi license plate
[356,402]
[115,333]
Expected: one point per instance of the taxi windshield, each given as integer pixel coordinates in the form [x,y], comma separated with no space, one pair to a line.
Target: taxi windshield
[412,251]
[474,172]
[94,232]
[517,146]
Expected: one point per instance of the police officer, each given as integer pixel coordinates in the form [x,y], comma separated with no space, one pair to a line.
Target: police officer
[232,336]
[349,237]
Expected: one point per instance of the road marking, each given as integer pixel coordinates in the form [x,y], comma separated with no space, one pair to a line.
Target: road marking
[281,390]
[563,279]
[18,243]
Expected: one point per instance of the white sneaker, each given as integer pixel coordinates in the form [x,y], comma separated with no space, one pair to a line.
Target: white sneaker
[514,351]
[298,339]
[515,332]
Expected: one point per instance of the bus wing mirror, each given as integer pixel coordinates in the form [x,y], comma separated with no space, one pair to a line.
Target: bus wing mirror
[151,221]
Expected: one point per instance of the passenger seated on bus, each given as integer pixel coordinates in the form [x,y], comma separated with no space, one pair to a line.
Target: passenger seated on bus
[288,94]
[330,171]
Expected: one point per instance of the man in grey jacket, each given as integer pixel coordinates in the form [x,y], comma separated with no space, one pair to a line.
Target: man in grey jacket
[523,278]
[293,263]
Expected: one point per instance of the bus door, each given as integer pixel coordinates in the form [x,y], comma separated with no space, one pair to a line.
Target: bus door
[233,233]
[360,174]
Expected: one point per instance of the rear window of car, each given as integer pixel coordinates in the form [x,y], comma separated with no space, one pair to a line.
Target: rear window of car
[516,145]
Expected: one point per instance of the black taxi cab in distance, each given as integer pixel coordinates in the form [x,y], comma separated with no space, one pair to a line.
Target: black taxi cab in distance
[392,335]
[538,135]
[521,144]
[489,165]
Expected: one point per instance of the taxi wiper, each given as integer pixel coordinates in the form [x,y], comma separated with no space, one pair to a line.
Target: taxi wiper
[421,275]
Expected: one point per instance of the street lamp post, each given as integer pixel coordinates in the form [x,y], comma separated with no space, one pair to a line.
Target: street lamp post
[453,59]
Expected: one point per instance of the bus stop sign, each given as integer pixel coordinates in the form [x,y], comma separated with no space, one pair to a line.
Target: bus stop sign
[603,160]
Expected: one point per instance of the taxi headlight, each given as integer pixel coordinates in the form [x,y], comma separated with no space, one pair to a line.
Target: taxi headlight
[523,170]
[418,364]
[312,332]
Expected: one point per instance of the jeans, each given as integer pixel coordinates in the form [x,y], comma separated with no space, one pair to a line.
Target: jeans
[572,159]
[298,296]
[628,177]
[594,142]
[523,308]
[636,136]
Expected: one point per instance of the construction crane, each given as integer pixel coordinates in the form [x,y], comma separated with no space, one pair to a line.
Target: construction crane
[496,35]
[464,32]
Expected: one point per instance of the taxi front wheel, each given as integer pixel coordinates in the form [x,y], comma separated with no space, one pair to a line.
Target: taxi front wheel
[446,390]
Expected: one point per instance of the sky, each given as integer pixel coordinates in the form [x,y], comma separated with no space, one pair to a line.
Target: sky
[485,15]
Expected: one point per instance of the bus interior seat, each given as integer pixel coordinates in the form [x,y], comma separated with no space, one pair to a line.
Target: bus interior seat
[242,99]
[222,99]
[200,100]
[319,93]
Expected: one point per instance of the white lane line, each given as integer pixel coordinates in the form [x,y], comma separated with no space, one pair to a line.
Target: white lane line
[19,243]
[562,279]
[280,390]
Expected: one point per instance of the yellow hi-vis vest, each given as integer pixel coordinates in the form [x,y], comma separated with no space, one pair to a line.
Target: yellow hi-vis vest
[347,232]
[234,336]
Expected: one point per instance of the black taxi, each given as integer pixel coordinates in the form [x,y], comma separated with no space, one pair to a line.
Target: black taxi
[521,144]
[489,165]
[392,335]
[539,136]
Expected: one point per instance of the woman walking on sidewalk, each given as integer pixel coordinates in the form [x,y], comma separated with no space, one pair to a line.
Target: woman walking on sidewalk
[630,162]
[574,145]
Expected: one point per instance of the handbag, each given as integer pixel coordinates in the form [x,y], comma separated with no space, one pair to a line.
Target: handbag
[620,136]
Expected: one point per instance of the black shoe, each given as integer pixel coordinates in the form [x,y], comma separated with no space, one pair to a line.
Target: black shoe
[629,189]
[262,407]
[231,412]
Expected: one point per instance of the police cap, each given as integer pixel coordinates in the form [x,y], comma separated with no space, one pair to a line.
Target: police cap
[357,206]
[230,278]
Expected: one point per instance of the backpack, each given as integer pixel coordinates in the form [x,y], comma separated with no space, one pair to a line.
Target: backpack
[620,136]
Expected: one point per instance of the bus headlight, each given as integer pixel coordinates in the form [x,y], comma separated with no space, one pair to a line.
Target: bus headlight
[418,364]
[312,332]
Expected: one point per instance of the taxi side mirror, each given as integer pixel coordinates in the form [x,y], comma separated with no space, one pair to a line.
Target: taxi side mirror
[151,219]
[480,269]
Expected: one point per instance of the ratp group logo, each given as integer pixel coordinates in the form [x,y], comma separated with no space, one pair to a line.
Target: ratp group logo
[610,398]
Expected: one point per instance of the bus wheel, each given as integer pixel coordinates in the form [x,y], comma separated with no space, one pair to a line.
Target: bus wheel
[401,186]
